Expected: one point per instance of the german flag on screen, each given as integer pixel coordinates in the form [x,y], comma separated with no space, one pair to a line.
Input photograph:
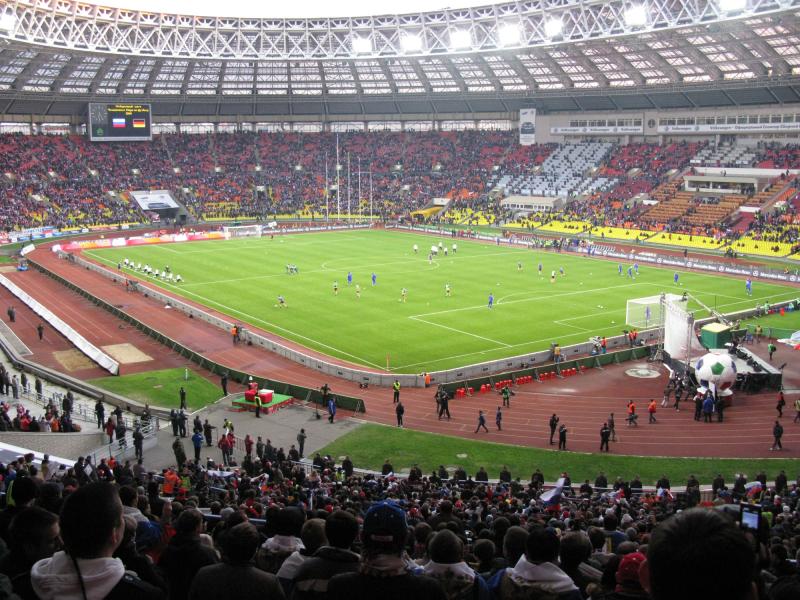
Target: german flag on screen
[137,123]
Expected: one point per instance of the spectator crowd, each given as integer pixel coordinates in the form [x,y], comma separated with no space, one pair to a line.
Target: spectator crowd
[281,529]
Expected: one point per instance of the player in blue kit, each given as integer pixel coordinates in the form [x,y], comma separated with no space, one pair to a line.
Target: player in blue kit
[619,269]
[675,278]
[748,286]
[349,278]
[491,300]
[374,279]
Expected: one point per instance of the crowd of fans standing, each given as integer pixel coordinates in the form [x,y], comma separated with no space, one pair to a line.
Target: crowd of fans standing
[282,530]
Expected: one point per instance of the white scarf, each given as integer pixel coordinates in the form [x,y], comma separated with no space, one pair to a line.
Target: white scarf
[283,543]
[459,570]
[384,565]
[545,575]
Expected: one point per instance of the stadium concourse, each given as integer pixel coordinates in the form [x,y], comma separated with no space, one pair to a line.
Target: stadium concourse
[582,402]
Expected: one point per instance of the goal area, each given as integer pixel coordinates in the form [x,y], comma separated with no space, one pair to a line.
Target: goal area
[643,313]
[240,231]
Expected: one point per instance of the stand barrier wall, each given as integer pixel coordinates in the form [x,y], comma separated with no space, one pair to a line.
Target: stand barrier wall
[561,369]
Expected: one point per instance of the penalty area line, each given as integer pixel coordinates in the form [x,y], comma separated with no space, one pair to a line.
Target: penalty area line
[453,329]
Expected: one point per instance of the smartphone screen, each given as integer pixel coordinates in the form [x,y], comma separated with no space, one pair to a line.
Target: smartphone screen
[750,517]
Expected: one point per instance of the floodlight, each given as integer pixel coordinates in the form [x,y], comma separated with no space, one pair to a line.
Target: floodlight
[552,28]
[298,167]
[460,38]
[258,168]
[509,34]
[732,5]
[636,16]
[362,45]
[7,21]
[411,42]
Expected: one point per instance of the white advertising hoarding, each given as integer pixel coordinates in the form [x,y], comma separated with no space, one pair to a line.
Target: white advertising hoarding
[527,126]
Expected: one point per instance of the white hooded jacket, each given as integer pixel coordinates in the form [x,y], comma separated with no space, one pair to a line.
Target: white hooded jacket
[56,579]
[546,576]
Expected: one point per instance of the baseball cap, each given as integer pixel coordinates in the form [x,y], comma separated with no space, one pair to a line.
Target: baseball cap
[628,571]
[385,523]
[148,534]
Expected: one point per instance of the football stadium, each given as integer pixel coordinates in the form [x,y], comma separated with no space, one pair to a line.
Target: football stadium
[460,299]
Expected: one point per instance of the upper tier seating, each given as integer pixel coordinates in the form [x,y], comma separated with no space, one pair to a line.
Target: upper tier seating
[725,155]
[564,173]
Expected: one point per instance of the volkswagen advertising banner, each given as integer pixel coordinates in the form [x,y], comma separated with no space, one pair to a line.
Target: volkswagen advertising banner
[527,126]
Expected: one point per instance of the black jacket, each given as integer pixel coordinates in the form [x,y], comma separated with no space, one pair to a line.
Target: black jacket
[355,586]
[313,576]
[183,557]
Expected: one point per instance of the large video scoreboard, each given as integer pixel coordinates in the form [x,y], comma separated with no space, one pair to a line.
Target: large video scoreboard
[119,122]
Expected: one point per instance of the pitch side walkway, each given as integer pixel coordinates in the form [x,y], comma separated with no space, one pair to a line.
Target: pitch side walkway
[583,402]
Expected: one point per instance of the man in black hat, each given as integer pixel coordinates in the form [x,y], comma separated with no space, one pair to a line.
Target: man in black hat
[384,571]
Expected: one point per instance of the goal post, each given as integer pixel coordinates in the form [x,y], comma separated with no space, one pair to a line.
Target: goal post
[240,231]
[643,313]
[680,341]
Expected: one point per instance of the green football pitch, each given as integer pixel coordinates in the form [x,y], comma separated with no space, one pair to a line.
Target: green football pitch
[429,331]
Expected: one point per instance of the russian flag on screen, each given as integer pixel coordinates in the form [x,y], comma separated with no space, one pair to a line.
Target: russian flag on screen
[138,123]
[116,123]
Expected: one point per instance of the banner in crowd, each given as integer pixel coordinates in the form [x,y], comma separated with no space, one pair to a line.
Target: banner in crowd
[527,126]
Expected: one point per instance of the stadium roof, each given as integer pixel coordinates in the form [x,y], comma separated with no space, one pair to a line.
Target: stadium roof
[490,59]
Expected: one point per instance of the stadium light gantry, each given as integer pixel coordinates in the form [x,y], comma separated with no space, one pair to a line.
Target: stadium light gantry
[411,42]
[509,34]
[636,16]
[362,45]
[553,28]
[460,39]
[731,6]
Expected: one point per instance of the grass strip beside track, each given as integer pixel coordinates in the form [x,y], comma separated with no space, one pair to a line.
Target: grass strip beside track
[370,445]
[160,388]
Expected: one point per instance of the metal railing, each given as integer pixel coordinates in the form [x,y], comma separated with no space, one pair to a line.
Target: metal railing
[81,410]
[120,448]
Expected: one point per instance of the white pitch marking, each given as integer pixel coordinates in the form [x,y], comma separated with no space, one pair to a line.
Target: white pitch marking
[475,335]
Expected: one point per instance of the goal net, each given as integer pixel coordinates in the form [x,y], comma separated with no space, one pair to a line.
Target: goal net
[643,313]
[239,231]
[680,341]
